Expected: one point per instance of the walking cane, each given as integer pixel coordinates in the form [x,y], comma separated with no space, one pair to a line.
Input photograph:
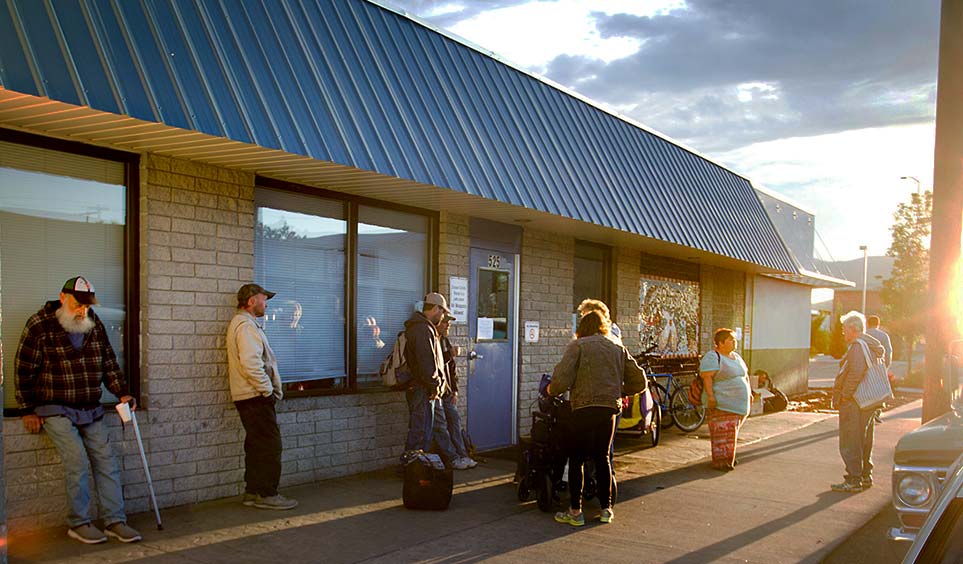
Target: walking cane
[126,414]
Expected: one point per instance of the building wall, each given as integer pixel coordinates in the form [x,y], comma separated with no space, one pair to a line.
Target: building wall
[548,277]
[454,243]
[196,249]
[782,348]
[196,238]
[723,303]
[627,288]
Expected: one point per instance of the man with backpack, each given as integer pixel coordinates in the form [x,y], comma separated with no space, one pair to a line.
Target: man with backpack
[426,362]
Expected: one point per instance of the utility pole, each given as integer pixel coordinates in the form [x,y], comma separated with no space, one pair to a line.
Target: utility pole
[865,265]
[944,327]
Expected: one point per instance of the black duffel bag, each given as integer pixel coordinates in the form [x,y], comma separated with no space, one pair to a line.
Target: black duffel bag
[428,483]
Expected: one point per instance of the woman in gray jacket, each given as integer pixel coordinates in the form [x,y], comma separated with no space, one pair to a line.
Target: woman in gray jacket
[598,372]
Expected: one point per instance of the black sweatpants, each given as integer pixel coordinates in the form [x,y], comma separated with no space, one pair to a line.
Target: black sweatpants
[262,445]
[590,435]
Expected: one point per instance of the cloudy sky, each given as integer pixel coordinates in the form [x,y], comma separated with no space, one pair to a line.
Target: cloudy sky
[828,102]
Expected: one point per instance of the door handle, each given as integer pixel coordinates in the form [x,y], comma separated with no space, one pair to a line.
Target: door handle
[472,355]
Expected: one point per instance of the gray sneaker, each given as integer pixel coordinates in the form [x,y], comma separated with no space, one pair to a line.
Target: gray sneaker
[123,532]
[87,534]
[275,502]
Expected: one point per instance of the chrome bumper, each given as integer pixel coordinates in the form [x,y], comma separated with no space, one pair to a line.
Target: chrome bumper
[898,534]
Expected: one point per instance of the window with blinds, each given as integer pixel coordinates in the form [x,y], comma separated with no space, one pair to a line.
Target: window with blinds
[299,253]
[306,248]
[61,215]
[392,278]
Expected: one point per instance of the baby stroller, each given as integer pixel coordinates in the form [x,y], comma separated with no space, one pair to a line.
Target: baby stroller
[541,462]
[641,413]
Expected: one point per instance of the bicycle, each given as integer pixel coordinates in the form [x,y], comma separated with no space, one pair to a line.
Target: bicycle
[673,399]
[682,412]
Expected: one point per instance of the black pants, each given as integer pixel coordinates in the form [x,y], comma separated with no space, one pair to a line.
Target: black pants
[262,445]
[590,436]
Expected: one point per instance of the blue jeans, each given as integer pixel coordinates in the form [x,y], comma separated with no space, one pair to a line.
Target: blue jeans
[421,419]
[856,432]
[447,431]
[75,445]
[454,425]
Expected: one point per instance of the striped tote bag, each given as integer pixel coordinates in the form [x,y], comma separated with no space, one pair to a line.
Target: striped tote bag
[874,388]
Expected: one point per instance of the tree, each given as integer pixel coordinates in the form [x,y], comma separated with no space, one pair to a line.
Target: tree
[837,343]
[904,293]
[282,232]
[818,337]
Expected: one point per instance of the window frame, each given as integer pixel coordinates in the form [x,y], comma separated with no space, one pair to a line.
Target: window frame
[131,162]
[607,269]
[352,204]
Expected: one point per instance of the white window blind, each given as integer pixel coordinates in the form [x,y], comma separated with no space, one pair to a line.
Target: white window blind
[392,279]
[61,215]
[299,253]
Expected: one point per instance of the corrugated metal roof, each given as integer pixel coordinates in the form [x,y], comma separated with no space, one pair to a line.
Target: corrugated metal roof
[352,83]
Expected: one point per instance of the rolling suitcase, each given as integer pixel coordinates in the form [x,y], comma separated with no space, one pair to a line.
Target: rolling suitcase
[428,484]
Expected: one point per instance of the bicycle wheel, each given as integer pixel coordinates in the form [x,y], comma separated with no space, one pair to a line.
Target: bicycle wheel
[662,398]
[688,417]
[655,428]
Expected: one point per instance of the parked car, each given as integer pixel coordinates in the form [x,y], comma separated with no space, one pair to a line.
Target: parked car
[941,537]
[923,458]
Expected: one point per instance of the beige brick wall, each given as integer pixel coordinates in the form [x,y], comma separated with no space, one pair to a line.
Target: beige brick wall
[628,284]
[548,276]
[723,302]
[196,243]
[454,250]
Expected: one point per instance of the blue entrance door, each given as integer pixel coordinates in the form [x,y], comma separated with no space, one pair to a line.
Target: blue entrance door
[492,326]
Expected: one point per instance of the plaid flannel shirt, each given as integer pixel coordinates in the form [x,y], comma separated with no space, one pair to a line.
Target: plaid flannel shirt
[50,371]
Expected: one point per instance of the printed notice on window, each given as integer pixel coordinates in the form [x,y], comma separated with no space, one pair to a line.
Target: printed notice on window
[486,328]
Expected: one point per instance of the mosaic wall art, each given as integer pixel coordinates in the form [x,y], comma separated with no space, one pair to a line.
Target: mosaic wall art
[669,316]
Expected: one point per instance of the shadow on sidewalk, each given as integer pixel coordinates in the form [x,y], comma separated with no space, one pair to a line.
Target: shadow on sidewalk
[361,518]
[721,549]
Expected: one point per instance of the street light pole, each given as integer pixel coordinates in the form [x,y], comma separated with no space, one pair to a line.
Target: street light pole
[865,261]
[914,179]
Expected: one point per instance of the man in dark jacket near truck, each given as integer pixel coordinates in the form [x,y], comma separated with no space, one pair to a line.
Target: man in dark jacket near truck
[427,365]
[856,426]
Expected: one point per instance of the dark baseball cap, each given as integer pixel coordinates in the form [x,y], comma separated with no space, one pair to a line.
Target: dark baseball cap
[81,290]
[247,291]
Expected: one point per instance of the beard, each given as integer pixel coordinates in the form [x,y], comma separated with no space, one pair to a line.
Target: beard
[73,325]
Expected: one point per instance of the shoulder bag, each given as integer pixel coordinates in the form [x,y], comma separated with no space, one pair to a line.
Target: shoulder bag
[874,388]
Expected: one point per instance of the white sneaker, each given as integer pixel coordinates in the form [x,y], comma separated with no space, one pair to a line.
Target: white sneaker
[471,462]
[460,464]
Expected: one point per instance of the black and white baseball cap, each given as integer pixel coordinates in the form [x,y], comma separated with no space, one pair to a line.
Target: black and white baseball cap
[81,289]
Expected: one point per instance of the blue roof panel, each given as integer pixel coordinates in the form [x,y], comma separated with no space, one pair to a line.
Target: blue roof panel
[355,83]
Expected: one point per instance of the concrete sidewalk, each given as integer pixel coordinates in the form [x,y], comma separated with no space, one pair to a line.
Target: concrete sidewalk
[776,507]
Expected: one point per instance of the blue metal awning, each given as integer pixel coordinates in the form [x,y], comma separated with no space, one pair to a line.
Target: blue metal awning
[353,83]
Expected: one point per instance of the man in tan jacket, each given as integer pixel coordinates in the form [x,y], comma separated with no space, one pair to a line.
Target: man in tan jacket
[256,389]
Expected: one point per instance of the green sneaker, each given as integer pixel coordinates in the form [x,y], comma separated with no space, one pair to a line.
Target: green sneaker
[847,487]
[567,518]
[248,500]
[607,515]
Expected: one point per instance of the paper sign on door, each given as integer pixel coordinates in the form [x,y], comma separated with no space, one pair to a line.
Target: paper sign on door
[486,328]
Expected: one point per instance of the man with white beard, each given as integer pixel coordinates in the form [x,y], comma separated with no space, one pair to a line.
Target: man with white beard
[63,357]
